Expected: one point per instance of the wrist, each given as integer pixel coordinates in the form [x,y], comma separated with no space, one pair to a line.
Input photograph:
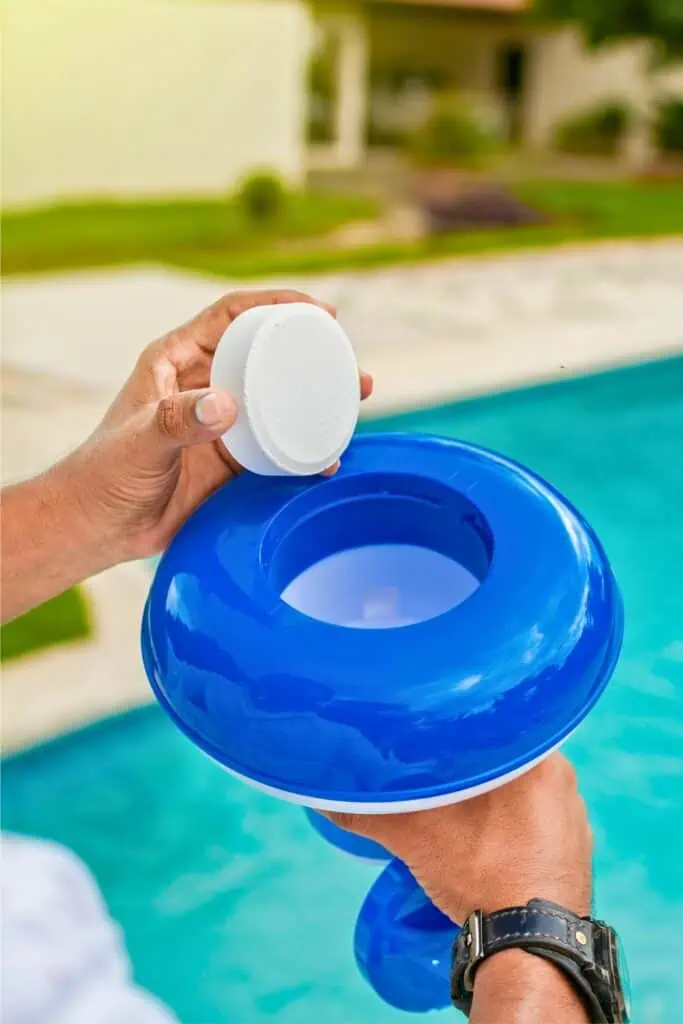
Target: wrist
[85,535]
[50,542]
[452,901]
[517,986]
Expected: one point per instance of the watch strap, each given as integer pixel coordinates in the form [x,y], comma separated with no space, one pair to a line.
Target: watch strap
[541,928]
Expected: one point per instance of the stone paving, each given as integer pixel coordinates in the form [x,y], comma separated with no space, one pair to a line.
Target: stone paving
[429,333]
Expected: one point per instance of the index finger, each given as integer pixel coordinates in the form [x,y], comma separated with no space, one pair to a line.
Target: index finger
[207,329]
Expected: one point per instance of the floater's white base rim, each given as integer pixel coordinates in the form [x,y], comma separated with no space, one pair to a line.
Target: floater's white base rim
[391,806]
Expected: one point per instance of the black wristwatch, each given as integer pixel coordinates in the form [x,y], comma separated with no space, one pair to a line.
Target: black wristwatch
[586,950]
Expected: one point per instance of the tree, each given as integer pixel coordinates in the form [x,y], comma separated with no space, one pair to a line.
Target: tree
[603,21]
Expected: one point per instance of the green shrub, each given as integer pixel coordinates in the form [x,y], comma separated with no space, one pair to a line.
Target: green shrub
[596,132]
[668,126]
[63,619]
[453,134]
[262,197]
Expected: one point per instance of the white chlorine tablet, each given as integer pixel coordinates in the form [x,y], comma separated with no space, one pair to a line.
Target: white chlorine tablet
[294,375]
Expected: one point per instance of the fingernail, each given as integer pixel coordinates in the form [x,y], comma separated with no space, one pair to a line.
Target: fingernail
[212,409]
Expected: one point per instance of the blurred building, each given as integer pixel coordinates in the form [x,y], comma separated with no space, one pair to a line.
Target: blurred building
[135,97]
[379,62]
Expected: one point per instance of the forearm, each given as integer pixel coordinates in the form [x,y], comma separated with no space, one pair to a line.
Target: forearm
[48,541]
[515,987]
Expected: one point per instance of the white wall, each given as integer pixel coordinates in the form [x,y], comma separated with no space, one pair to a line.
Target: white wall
[128,97]
[568,79]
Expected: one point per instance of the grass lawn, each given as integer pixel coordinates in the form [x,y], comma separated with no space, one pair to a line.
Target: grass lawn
[216,237]
[582,211]
[174,231]
[58,621]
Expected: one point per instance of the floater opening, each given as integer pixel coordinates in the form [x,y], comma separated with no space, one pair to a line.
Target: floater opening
[393,551]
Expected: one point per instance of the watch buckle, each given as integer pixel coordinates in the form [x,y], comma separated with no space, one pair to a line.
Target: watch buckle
[474,942]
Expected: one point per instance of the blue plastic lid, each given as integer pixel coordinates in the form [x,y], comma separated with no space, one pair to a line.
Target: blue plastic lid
[384,719]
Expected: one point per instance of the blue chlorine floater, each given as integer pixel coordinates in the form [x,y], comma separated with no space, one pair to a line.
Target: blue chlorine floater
[422,627]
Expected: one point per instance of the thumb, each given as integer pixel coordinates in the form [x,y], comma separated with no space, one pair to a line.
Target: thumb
[370,826]
[194,417]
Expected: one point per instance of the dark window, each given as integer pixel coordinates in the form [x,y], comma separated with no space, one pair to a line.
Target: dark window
[511,71]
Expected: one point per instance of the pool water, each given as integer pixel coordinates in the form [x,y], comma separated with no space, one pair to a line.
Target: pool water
[234,911]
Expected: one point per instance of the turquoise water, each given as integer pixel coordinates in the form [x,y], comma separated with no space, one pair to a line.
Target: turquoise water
[235,912]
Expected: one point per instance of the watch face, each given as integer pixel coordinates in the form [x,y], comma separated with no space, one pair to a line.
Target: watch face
[621,975]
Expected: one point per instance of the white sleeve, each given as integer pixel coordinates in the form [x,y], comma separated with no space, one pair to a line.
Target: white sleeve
[64,960]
